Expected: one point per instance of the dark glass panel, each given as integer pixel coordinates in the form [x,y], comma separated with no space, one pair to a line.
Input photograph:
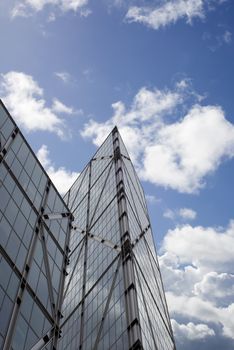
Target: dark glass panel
[20,334]
[5,230]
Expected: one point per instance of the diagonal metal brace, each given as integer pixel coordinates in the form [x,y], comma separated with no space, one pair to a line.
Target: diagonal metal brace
[56,216]
[99,239]
[6,146]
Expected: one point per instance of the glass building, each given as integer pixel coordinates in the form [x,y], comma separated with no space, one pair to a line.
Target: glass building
[79,272]
[34,236]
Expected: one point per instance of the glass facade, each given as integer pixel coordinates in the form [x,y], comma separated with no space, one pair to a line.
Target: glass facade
[114,297]
[34,237]
[79,272]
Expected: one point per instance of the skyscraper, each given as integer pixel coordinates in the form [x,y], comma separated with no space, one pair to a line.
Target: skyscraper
[34,235]
[114,297]
[106,291]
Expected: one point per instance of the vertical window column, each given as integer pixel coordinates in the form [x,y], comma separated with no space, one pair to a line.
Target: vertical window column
[12,324]
[132,311]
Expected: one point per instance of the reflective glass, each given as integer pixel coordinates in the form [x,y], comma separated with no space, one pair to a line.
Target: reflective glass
[108,257]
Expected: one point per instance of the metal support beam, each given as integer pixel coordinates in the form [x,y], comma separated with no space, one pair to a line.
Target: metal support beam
[102,158]
[58,315]
[4,149]
[146,310]
[20,294]
[107,306]
[140,236]
[56,216]
[135,190]
[101,193]
[73,271]
[37,212]
[85,262]
[47,270]
[132,311]
[161,293]
[45,340]
[166,325]
[90,187]
[90,290]
[99,239]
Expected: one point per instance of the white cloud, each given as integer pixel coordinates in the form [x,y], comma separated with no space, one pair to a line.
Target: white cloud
[51,17]
[61,177]
[138,123]
[191,331]
[73,5]
[183,84]
[179,154]
[197,265]
[200,246]
[64,76]
[169,214]
[187,213]
[59,107]
[204,311]
[183,213]
[217,41]
[152,199]
[85,12]
[25,8]
[227,37]
[19,10]
[168,12]
[215,285]
[178,278]
[25,100]
[189,149]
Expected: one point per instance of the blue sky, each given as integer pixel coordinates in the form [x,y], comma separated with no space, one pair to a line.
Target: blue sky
[163,71]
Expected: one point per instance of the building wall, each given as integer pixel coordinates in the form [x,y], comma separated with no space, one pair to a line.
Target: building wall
[81,275]
[33,247]
[114,297]
[94,305]
[153,313]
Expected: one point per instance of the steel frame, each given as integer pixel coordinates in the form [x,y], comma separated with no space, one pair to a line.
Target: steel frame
[131,303]
[125,252]
[125,255]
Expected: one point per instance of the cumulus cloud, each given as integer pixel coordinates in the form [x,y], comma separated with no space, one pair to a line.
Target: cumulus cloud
[25,8]
[189,149]
[215,285]
[197,266]
[25,100]
[201,246]
[148,107]
[61,177]
[203,310]
[179,154]
[168,12]
[191,331]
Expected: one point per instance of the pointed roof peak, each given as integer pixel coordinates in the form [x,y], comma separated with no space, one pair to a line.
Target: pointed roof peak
[115,129]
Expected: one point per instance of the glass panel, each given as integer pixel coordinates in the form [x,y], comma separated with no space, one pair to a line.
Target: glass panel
[3,116]
[20,334]
[5,230]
